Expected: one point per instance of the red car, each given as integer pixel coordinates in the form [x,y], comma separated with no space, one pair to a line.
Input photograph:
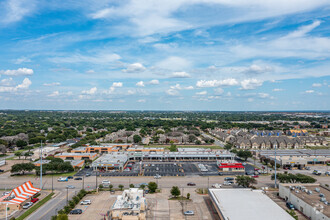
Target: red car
[191,184]
[255,176]
[34,200]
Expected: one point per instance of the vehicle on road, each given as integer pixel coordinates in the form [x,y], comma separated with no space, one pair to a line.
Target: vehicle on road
[88,174]
[62,179]
[34,200]
[191,184]
[78,178]
[70,177]
[217,186]
[76,211]
[255,176]
[157,176]
[86,202]
[290,205]
[229,178]
[327,173]
[70,187]
[27,205]
[307,168]
[317,172]
[189,213]
[227,183]
[106,183]
[1,171]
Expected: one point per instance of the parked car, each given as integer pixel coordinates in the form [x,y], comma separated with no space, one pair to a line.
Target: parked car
[255,176]
[78,178]
[327,173]
[70,187]
[229,178]
[106,183]
[62,179]
[112,191]
[1,171]
[70,177]
[290,205]
[86,202]
[27,205]
[189,213]
[34,200]
[87,174]
[307,168]
[217,186]
[317,172]
[191,184]
[76,211]
[227,183]
[157,176]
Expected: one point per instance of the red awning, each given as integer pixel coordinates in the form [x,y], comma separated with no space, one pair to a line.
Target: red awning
[232,166]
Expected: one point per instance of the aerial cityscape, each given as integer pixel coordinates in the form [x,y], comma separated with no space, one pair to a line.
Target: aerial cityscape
[147,110]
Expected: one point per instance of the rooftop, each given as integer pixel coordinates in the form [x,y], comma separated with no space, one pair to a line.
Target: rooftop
[131,199]
[252,204]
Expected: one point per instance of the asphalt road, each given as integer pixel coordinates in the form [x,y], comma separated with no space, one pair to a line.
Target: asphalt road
[216,141]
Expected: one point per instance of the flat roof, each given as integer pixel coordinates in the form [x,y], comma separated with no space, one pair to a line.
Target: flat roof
[238,204]
[76,154]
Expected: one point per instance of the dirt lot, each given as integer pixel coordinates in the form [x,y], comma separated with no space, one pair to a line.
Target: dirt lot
[101,204]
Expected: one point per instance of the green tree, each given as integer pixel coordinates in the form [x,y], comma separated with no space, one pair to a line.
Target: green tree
[188,195]
[152,186]
[131,185]
[121,187]
[245,154]
[18,154]
[245,181]
[173,148]
[137,138]
[21,143]
[142,186]
[175,191]
[228,146]
[110,187]
[26,154]
[62,217]
[22,167]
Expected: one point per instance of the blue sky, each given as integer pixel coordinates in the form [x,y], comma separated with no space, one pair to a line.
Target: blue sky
[165,55]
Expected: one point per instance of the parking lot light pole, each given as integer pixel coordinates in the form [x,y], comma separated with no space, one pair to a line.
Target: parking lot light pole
[52,183]
[83,182]
[67,196]
[275,166]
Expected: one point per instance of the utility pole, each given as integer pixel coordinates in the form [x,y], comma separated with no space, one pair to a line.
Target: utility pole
[96,179]
[52,183]
[67,196]
[83,182]
[275,165]
[41,165]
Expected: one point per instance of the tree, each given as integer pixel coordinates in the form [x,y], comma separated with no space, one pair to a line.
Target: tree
[21,143]
[245,181]
[173,148]
[110,187]
[175,191]
[121,187]
[18,154]
[26,154]
[245,154]
[152,186]
[22,167]
[228,146]
[142,186]
[293,178]
[137,139]
[131,185]
[188,195]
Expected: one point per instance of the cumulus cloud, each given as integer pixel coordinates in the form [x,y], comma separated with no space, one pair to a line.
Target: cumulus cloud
[317,85]
[18,72]
[188,87]
[256,69]
[141,100]
[90,71]
[218,91]
[140,84]
[216,83]
[180,75]
[174,63]
[7,82]
[309,91]
[172,92]
[249,84]
[117,84]
[278,90]
[54,94]
[91,91]
[201,93]
[22,60]
[52,84]
[100,58]
[24,85]
[134,68]
[153,82]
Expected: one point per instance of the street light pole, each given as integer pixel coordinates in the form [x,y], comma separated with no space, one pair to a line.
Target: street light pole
[83,182]
[6,211]
[41,165]
[96,179]
[275,166]
[67,196]
[52,183]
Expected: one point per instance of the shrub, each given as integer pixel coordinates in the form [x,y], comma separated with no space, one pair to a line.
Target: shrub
[188,195]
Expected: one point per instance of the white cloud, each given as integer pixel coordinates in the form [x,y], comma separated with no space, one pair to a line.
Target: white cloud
[174,63]
[278,90]
[25,84]
[15,10]
[153,82]
[309,91]
[201,93]
[117,84]
[250,99]
[131,92]
[172,92]
[54,94]
[302,31]
[317,85]
[248,84]
[134,68]
[91,91]
[22,60]
[141,100]
[255,69]
[216,83]
[263,95]
[18,72]
[99,58]
[7,82]
[140,84]
[218,91]
[180,75]
[52,84]
[188,87]
[90,71]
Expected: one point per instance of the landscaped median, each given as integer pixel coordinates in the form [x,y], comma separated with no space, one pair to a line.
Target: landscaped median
[35,207]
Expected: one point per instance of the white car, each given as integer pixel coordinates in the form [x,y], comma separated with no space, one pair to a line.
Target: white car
[105,182]
[86,202]
[189,213]
[227,183]
[157,176]
[217,186]
[27,205]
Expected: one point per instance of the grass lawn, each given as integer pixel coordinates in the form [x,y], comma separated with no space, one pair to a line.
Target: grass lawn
[3,155]
[318,147]
[35,207]
[179,198]
[22,150]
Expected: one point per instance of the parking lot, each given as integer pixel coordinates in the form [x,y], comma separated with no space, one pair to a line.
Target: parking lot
[164,169]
